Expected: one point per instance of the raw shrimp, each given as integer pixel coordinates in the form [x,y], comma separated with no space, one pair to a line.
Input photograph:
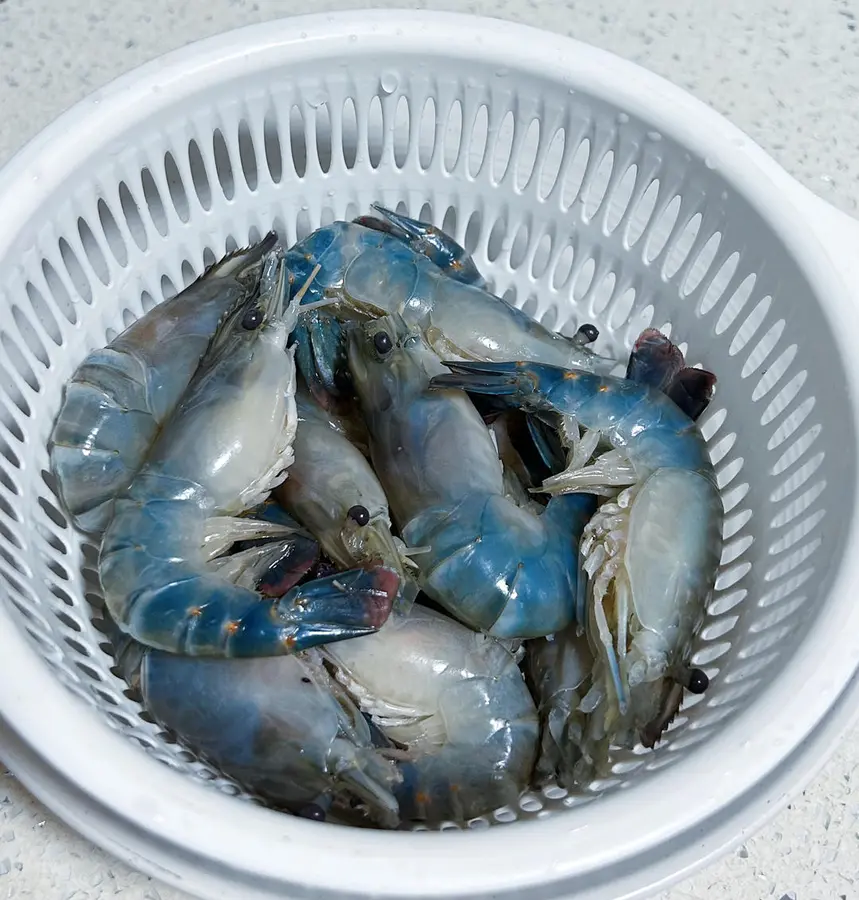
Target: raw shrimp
[651,553]
[121,395]
[281,727]
[334,492]
[494,565]
[455,703]
[227,444]
[372,273]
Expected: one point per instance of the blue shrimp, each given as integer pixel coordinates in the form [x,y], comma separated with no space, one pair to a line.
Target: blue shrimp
[457,708]
[122,394]
[494,565]
[371,273]
[333,491]
[651,553]
[280,727]
[227,444]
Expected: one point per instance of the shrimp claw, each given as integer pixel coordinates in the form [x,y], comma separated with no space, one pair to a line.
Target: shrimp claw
[431,242]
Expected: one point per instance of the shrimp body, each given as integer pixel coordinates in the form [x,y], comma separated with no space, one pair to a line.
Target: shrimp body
[122,394]
[457,707]
[371,273]
[281,727]
[227,444]
[650,553]
[334,492]
[492,564]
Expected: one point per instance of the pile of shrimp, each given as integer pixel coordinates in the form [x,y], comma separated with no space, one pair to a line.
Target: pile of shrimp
[380,547]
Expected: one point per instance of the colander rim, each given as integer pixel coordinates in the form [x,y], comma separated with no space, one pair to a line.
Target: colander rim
[441,863]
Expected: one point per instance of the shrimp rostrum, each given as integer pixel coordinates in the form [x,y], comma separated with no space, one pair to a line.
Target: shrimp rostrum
[650,554]
[227,444]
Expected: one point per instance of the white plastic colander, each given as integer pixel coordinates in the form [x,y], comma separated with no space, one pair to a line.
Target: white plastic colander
[588,190]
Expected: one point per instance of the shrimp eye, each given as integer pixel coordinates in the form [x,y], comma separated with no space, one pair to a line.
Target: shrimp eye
[312,811]
[252,318]
[588,333]
[698,681]
[359,514]
[383,343]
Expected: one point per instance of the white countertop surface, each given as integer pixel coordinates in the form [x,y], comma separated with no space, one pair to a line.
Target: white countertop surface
[785,72]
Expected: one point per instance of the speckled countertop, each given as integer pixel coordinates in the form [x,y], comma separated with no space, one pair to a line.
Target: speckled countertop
[786,72]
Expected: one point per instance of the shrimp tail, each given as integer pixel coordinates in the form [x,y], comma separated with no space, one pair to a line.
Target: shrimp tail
[180,604]
[236,622]
[452,258]
[692,391]
[659,363]
[270,567]
[654,360]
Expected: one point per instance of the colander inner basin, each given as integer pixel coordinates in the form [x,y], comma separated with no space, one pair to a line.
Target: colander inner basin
[576,210]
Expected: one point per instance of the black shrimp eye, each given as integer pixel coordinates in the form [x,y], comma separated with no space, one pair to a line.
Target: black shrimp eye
[589,333]
[382,342]
[698,681]
[312,811]
[359,514]
[252,319]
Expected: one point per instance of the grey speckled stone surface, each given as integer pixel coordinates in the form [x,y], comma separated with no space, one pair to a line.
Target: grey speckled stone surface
[786,72]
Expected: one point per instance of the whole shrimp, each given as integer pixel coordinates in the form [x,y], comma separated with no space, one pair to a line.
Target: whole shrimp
[227,444]
[334,492]
[122,394]
[454,702]
[372,273]
[651,553]
[494,565]
[281,727]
